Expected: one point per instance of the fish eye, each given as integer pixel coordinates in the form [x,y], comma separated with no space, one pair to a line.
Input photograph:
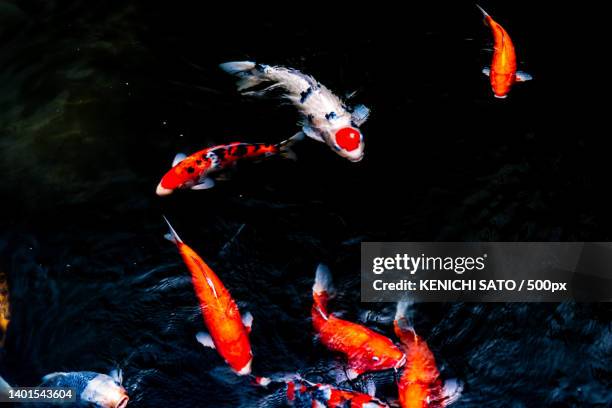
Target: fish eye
[375,358]
[348,138]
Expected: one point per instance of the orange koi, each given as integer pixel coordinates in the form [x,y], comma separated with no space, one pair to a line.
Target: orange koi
[502,73]
[365,349]
[229,332]
[420,385]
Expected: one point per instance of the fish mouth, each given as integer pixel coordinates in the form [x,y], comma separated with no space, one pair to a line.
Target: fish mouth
[500,96]
[358,159]
[400,363]
[123,402]
[162,191]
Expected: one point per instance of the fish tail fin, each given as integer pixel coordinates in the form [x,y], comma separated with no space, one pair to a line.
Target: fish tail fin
[402,322]
[249,74]
[237,67]
[4,386]
[261,381]
[285,147]
[485,15]
[322,289]
[172,236]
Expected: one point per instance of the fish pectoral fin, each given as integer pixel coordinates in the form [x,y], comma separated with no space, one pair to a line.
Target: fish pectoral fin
[204,339]
[370,386]
[204,184]
[117,375]
[360,114]
[352,372]
[350,95]
[247,320]
[486,71]
[452,391]
[225,176]
[178,158]
[311,133]
[523,76]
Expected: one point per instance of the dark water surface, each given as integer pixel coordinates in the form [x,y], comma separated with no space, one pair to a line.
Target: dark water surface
[95,101]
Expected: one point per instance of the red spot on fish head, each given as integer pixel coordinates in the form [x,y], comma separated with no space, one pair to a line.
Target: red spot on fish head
[348,138]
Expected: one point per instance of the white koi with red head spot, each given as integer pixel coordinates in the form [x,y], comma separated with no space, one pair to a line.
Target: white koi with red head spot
[325,117]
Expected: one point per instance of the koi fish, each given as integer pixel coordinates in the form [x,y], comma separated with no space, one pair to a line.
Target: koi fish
[502,73]
[91,389]
[420,385]
[194,171]
[302,393]
[5,313]
[325,118]
[229,332]
[364,349]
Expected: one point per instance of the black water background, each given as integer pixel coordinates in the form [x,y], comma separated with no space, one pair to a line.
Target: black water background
[96,98]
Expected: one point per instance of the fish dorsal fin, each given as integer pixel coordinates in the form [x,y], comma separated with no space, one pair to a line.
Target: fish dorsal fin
[178,158]
[321,313]
[212,286]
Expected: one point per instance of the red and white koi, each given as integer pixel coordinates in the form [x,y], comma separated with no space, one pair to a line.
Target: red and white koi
[365,349]
[325,117]
[303,393]
[195,171]
[502,73]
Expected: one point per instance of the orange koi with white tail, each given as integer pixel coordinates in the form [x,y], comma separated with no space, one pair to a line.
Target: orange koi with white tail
[420,385]
[365,349]
[228,331]
[502,73]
